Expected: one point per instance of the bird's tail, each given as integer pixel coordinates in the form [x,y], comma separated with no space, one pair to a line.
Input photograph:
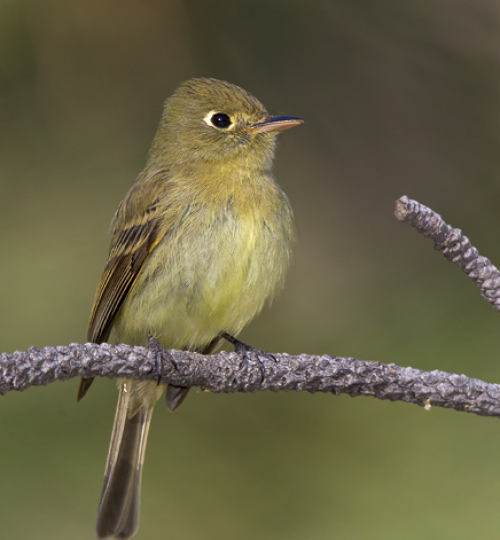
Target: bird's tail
[118,513]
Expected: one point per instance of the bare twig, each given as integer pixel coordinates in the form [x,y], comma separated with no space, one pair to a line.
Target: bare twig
[253,370]
[455,247]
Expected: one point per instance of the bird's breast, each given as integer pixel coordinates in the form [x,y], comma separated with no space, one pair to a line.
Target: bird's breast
[214,269]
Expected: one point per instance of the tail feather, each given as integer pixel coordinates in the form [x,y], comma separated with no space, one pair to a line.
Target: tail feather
[118,513]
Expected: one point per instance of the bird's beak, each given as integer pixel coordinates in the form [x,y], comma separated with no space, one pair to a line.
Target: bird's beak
[275,123]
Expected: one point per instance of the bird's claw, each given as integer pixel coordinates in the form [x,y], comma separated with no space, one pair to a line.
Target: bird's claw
[157,349]
[242,348]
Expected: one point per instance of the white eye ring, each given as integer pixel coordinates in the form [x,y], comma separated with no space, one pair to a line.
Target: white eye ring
[208,117]
[209,120]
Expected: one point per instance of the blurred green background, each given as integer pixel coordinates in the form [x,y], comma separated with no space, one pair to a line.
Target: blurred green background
[399,98]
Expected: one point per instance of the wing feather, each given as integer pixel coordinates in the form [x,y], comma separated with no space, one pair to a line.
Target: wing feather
[125,261]
[130,248]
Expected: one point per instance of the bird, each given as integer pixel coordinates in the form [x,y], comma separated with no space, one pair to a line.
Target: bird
[199,244]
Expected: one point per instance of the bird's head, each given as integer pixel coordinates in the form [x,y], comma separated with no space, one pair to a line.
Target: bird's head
[208,121]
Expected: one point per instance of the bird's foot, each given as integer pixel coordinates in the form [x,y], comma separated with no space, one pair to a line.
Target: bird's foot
[157,349]
[238,345]
[243,348]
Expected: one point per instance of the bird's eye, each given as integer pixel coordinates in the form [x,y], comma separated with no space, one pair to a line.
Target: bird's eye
[220,120]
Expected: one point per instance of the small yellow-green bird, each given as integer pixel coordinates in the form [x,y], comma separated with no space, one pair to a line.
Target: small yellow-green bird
[199,243]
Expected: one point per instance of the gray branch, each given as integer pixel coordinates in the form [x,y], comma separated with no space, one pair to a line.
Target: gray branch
[455,247]
[253,370]
[250,371]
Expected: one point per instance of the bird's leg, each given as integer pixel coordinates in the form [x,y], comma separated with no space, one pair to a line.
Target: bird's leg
[238,345]
[243,348]
[175,394]
[157,350]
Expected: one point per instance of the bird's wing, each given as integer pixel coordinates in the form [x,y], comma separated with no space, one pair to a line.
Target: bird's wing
[129,250]
[130,247]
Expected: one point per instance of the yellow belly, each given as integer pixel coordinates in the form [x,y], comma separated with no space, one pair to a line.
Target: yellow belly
[211,273]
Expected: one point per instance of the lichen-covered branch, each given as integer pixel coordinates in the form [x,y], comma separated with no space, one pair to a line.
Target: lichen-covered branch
[455,247]
[250,371]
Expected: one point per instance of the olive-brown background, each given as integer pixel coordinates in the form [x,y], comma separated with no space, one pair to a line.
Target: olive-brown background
[399,98]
